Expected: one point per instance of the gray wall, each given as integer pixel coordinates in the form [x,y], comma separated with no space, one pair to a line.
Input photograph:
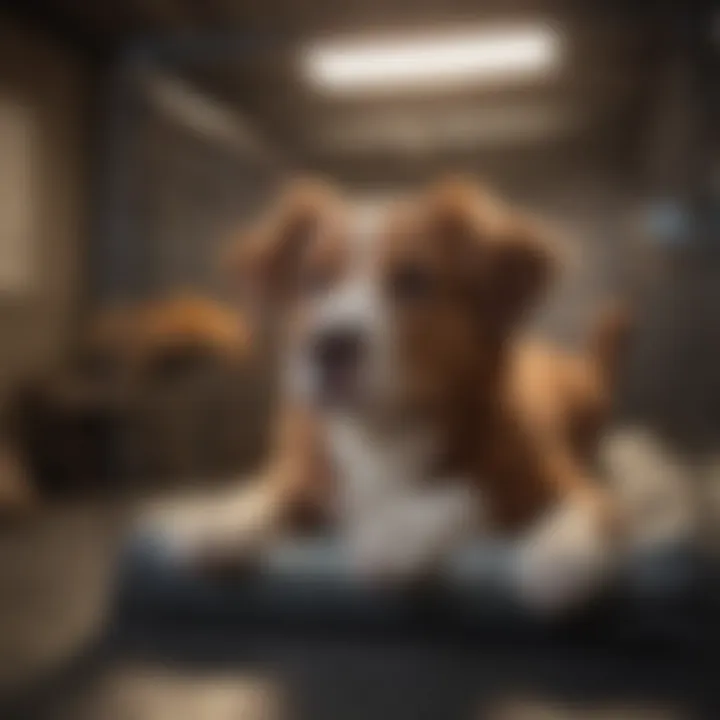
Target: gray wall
[51,86]
[195,170]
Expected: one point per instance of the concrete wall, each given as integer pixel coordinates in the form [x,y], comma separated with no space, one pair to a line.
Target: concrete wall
[43,97]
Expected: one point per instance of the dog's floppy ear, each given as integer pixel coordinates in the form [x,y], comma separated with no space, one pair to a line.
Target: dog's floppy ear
[504,255]
[521,266]
[262,260]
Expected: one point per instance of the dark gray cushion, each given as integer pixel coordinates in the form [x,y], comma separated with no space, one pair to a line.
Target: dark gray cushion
[658,598]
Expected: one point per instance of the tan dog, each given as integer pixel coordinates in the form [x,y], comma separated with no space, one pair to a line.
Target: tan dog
[141,335]
[413,415]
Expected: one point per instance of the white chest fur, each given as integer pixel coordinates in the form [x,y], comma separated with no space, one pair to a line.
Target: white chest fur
[395,518]
[374,468]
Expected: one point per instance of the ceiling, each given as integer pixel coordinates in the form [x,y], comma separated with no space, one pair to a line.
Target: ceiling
[245,53]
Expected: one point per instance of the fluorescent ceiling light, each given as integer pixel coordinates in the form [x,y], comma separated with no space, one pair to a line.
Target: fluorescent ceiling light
[460,58]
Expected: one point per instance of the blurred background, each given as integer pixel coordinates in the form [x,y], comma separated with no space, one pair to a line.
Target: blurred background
[136,136]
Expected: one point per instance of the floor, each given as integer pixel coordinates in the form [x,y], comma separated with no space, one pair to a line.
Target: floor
[56,578]
[55,591]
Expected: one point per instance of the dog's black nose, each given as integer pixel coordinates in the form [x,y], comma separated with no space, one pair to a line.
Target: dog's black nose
[338,349]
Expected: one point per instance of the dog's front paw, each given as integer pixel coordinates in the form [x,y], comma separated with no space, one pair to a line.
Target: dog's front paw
[563,563]
[217,536]
[237,540]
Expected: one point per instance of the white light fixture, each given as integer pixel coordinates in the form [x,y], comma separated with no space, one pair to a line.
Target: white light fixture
[460,58]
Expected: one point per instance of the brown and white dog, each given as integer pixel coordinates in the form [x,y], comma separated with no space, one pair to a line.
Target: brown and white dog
[413,416]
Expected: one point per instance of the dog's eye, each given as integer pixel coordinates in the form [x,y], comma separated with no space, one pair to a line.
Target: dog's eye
[410,282]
